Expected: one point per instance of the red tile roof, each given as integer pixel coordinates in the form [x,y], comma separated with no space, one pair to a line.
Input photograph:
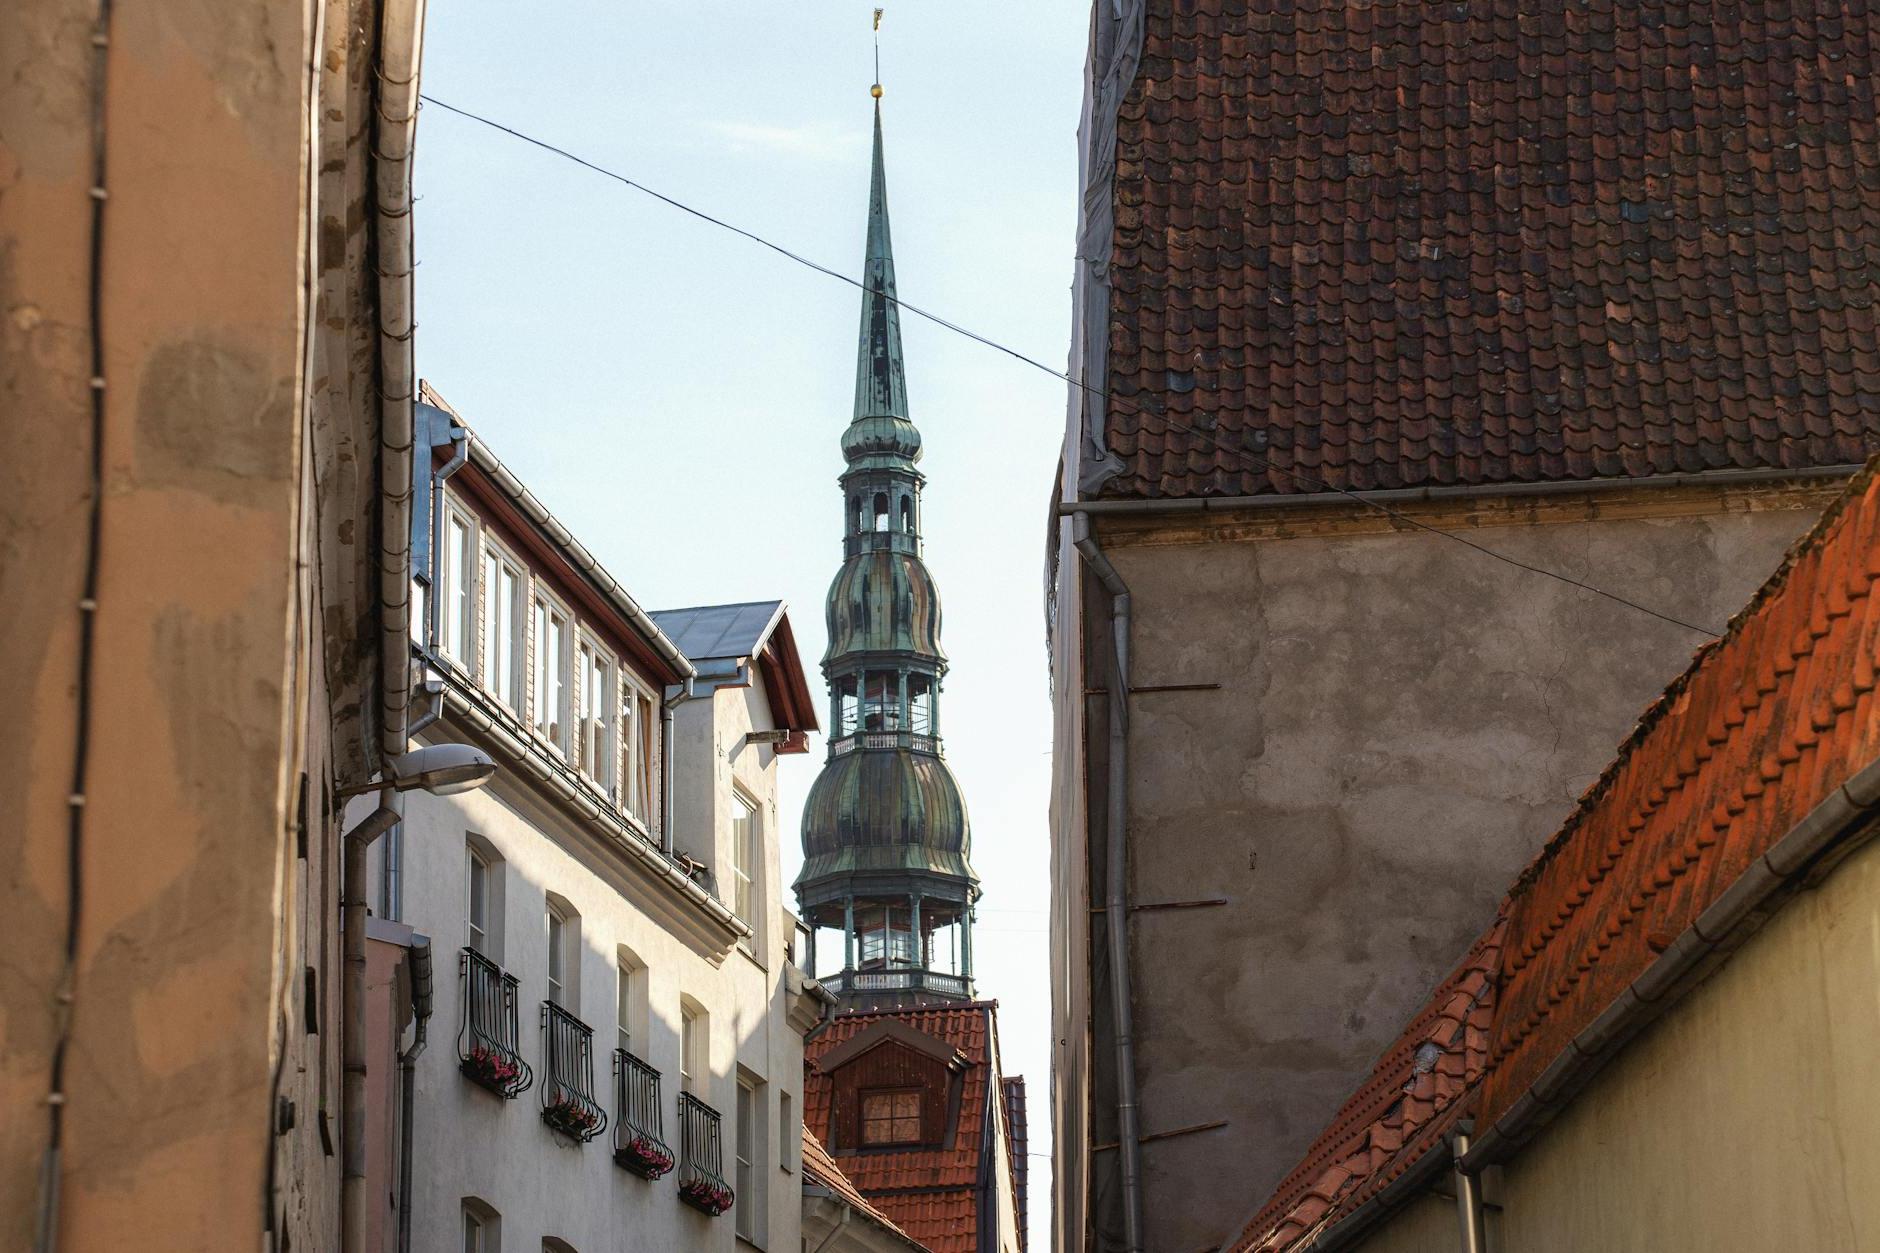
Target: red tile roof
[1392,244]
[1764,726]
[821,1169]
[943,1210]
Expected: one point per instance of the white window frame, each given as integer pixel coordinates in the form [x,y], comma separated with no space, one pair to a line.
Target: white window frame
[635,747]
[511,689]
[544,608]
[746,844]
[563,968]
[694,1049]
[595,755]
[478,930]
[747,1146]
[457,593]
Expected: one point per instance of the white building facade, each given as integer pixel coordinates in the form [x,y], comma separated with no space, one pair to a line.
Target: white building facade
[617,1048]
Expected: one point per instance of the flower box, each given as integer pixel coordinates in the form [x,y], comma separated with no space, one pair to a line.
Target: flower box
[573,1118]
[705,1196]
[492,1069]
[644,1156]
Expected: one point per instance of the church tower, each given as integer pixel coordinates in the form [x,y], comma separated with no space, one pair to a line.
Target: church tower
[885,835]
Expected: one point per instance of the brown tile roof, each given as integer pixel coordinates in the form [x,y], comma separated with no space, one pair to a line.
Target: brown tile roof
[821,1169]
[1407,1105]
[1400,244]
[1765,725]
[1016,1122]
[943,1213]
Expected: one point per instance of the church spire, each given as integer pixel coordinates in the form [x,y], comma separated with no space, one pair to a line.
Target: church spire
[880,375]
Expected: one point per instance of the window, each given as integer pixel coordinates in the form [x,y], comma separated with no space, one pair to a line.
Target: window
[594,681]
[907,514]
[564,954]
[847,710]
[479,909]
[920,704]
[630,1000]
[881,511]
[881,701]
[891,1117]
[789,1135]
[694,1042]
[636,751]
[503,581]
[482,1228]
[749,1142]
[551,671]
[744,833]
[457,597]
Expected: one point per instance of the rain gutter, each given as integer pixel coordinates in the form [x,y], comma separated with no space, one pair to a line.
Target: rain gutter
[1412,495]
[1116,867]
[578,555]
[1832,828]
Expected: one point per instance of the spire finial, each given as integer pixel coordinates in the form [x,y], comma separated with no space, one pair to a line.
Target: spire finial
[875,91]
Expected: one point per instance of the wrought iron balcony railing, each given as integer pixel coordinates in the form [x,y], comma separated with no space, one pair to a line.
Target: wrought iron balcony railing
[568,1103]
[702,1157]
[488,1037]
[639,1122]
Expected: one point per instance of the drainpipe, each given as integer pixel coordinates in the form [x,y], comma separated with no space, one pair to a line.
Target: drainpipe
[395,102]
[1474,1230]
[353,1016]
[1128,1115]
[421,999]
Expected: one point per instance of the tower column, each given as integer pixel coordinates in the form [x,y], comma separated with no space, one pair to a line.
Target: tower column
[848,934]
[920,945]
[966,942]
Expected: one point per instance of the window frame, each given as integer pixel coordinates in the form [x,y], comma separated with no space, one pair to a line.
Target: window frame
[863,1121]
[746,1148]
[747,826]
[634,748]
[589,650]
[545,607]
[478,932]
[459,594]
[514,684]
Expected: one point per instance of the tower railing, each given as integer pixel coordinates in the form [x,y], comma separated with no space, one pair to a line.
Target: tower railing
[885,739]
[935,981]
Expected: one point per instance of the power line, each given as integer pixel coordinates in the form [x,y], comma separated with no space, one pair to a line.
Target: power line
[1167,423]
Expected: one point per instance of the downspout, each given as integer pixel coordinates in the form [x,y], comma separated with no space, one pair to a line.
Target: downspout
[1473,1230]
[395,100]
[1128,1121]
[421,1000]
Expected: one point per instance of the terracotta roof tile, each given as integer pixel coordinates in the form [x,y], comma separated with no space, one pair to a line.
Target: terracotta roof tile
[1394,245]
[820,1168]
[944,1214]
[1765,724]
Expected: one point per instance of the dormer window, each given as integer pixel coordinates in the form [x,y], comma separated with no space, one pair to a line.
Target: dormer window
[891,1118]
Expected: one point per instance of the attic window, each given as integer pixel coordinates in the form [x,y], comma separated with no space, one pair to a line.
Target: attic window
[890,1118]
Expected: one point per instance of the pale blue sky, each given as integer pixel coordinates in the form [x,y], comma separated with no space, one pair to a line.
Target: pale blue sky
[676,394]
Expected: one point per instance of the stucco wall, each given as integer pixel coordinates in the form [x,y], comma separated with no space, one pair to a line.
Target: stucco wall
[469,1143]
[1399,724]
[1742,1120]
[207,702]
[1428,1224]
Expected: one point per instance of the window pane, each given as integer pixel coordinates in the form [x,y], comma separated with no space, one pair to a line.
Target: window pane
[554,957]
[459,590]
[743,856]
[479,904]
[623,1008]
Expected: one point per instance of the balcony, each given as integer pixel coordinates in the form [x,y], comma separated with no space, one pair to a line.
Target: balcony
[895,981]
[489,1035]
[639,1123]
[884,739]
[568,1103]
[702,1158]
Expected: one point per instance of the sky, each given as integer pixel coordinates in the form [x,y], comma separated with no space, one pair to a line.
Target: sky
[676,394]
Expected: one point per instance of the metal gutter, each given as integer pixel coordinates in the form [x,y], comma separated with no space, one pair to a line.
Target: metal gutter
[1412,495]
[578,555]
[1116,867]
[1835,825]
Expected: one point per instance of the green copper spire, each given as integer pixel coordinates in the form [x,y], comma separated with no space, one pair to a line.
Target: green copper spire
[886,839]
[880,376]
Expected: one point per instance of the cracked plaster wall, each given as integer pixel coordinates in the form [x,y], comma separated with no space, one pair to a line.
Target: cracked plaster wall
[1399,726]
